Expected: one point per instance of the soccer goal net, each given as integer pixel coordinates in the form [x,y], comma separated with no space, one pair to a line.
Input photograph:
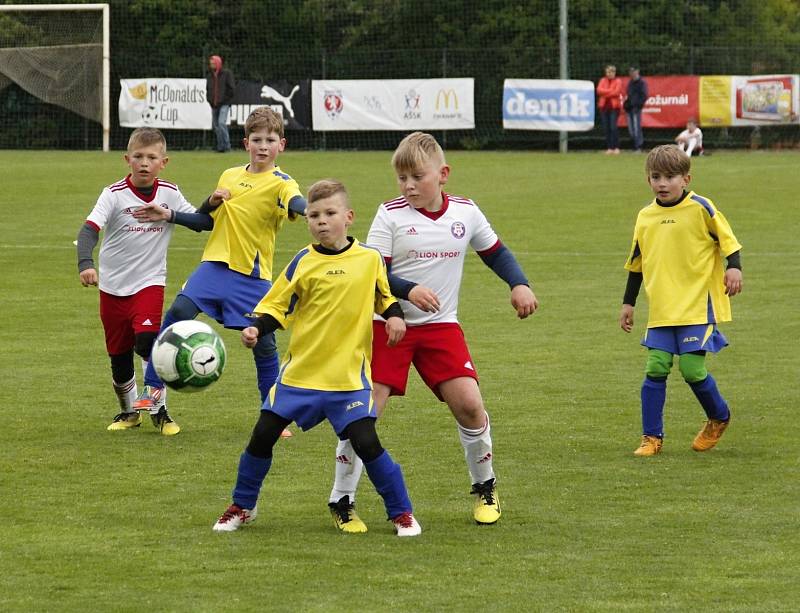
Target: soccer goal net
[58,53]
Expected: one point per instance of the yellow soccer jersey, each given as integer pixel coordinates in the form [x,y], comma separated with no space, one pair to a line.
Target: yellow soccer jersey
[245,227]
[679,251]
[329,301]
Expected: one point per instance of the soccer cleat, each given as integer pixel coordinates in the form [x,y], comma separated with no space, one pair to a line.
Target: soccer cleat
[487,503]
[651,445]
[163,422]
[710,434]
[344,516]
[233,517]
[125,421]
[149,399]
[406,525]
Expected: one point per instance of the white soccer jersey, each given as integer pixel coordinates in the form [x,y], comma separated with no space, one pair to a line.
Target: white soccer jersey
[133,255]
[431,251]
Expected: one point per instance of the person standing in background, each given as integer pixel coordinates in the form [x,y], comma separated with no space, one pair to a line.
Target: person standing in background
[219,93]
[609,102]
[637,96]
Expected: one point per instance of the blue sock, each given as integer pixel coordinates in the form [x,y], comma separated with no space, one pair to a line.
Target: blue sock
[654,394]
[266,373]
[387,478]
[252,471]
[710,399]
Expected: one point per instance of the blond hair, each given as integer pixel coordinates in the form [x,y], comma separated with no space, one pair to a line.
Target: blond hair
[144,137]
[325,188]
[263,118]
[415,150]
[668,159]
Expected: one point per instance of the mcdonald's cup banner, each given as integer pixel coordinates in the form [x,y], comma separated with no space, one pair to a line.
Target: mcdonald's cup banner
[164,103]
[287,98]
[548,104]
[393,104]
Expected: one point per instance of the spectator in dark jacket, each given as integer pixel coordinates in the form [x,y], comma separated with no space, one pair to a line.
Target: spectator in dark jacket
[219,93]
[637,96]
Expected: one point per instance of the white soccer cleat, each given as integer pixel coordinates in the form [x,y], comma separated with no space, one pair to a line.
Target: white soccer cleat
[233,517]
[406,524]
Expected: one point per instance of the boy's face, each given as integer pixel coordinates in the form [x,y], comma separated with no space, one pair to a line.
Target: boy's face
[328,220]
[667,188]
[263,147]
[146,163]
[422,186]
[691,126]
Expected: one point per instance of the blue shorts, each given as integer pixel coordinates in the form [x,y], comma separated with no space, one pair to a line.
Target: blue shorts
[308,407]
[224,294]
[678,340]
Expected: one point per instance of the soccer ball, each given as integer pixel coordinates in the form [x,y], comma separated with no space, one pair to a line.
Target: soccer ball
[188,356]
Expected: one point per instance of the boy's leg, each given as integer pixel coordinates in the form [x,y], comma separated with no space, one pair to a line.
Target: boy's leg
[254,464]
[265,356]
[463,397]
[124,381]
[182,308]
[654,395]
[705,389]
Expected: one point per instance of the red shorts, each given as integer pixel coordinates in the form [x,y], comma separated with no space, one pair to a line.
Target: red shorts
[438,351]
[125,316]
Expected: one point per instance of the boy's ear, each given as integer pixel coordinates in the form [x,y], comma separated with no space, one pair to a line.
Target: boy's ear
[444,174]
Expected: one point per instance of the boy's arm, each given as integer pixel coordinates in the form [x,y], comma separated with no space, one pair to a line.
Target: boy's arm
[500,259]
[261,326]
[88,236]
[297,206]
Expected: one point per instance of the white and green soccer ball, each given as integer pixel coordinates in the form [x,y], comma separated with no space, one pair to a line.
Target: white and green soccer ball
[188,356]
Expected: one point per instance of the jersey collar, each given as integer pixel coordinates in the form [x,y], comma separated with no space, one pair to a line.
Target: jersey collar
[140,195]
[434,215]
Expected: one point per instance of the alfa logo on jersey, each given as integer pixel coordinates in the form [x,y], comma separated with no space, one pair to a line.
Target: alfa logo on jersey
[458,230]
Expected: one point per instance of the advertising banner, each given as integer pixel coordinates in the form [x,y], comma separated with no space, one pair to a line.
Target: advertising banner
[671,101]
[393,104]
[164,103]
[548,104]
[290,99]
[749,101]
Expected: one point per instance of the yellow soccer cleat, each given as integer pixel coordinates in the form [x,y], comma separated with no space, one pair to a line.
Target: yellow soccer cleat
[651,445]
[125,421]
[710,434]
[345,518]
[163,423]
[487,503]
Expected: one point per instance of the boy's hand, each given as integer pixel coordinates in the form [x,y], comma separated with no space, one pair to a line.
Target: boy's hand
[395,330]
[524,301]
[250,337]
[424,298]
[218,197]
[626,318]
[733,281]
[151,212]
[88,277]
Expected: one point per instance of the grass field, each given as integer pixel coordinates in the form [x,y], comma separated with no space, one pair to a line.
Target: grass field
[100,521]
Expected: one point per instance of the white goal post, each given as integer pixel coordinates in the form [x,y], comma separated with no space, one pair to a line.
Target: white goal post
[105,85]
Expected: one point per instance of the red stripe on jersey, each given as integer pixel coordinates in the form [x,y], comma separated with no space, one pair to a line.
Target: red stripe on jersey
[93,225]
[120,183]
[491,249]
[163,183]
[461,200]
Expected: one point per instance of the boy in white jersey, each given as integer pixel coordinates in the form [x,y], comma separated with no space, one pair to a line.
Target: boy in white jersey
[691,139]
[328,293]
[249,206]
[679,242]
[133,265]
[423,235]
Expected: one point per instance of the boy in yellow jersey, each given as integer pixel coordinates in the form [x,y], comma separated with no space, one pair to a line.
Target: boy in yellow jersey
[679,243]
[249,206]
[328,293]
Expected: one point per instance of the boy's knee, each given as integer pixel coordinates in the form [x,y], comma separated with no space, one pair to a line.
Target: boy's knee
[143,344]
[182,309]
[659,363]
[364,439]
[693,367]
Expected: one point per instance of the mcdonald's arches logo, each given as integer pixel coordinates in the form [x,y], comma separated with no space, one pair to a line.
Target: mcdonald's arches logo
[446,99]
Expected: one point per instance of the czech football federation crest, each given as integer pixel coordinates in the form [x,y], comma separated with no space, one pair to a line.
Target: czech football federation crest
[458,230]
[333,102]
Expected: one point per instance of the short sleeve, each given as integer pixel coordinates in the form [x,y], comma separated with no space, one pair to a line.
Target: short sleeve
[721,230]
[102,209]
[383,295]
[380,235]
[483,236]
[182,205]
[634,261]
[281,299]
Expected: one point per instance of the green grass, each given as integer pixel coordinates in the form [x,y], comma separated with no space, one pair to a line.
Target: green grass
[99,521]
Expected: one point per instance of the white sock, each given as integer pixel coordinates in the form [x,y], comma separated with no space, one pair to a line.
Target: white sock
[348,471]
[126,394]
[478,451]
[690,147]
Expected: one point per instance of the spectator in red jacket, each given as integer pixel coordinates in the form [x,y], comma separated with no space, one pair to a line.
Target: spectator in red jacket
[609,102]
